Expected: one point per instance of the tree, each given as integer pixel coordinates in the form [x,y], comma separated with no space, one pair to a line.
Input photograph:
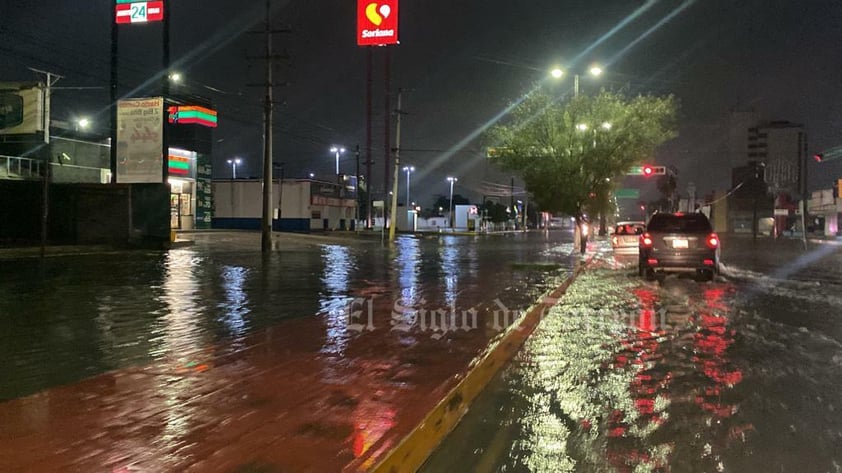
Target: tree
[570,154]
[495,211]
[443,202]
[667,184]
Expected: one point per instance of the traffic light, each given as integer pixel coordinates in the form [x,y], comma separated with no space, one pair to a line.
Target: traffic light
[654,170]
[819,157]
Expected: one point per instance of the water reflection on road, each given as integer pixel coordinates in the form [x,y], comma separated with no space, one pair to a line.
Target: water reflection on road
[76,317]
[630,376]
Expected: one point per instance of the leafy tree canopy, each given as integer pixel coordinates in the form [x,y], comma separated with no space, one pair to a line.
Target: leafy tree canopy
[570,154]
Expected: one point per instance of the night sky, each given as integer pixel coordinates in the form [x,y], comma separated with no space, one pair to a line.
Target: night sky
[460,63]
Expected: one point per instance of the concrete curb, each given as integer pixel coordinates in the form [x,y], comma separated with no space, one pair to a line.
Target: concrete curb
[411,453]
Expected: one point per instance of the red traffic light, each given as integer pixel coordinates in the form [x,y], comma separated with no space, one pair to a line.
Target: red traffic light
[818,157]
[654,170]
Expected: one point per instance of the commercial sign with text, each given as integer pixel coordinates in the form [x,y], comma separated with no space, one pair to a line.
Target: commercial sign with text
[129,11]
[377,22]
[140,140]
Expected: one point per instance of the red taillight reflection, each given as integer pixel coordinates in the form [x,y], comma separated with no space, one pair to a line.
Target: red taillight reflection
[646,240]
[709,262]
[712,241]
[652,261]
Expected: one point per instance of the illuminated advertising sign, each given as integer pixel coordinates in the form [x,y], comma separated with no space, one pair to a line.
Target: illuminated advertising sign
[182,163]
[140,140]
[185,115]
[377,22]
[128,11]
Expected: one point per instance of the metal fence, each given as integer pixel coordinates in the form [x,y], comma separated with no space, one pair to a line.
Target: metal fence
[15,167]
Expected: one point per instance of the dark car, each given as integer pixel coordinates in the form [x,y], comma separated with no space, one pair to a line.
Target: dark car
[679,243]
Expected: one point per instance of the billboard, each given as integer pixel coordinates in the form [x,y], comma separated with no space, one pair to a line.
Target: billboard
[377,22]
[140,140]
[21,109]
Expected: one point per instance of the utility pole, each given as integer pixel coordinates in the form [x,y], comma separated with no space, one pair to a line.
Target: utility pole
[266,224]
[394,211]
[115,36]
[165,92]
[46,95]
[387,125]
[357,190]
[368,115]
[268,124]
[802,178]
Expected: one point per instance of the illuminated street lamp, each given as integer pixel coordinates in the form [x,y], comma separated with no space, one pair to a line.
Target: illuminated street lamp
[175,77]
[234,163]
[83,123]
[594,71]
[337,151]
[408,170]
[452,181]
[312,175]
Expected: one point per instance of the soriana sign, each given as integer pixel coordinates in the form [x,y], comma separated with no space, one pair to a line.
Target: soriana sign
[377,22]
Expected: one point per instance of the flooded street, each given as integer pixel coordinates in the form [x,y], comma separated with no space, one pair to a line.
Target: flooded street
[209,357]
[741,374]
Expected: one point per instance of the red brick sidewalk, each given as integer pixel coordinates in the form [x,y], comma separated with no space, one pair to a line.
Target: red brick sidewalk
[287,399]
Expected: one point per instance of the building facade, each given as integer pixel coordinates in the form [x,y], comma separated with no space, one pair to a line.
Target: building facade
[782,146]
[301,205]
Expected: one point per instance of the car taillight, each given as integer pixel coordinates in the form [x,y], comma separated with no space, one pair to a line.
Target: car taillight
[712,241]
[646,240]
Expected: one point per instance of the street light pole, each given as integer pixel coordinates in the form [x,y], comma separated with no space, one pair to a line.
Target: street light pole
[234,162]
[408,170]
[452,181]
[393,216]
[337,150]
[558,73]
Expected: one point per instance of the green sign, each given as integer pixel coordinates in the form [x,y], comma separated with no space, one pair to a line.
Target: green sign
[627,193]
[204,194]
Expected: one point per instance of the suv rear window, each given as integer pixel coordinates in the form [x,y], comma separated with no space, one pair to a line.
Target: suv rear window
[690,223]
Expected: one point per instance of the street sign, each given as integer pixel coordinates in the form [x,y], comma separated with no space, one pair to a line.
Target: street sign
[377,22]
[627,193]
[138,12]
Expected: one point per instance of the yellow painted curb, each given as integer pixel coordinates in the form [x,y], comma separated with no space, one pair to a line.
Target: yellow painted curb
[411,453]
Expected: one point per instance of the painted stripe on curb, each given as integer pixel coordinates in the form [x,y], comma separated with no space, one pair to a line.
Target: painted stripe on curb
[411,453]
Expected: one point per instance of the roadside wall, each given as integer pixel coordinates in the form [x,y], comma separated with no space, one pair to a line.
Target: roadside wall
[118,214]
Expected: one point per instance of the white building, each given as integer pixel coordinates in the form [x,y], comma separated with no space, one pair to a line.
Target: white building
[301,205]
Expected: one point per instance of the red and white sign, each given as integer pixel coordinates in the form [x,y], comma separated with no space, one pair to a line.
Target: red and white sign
[377,22]
[139,12]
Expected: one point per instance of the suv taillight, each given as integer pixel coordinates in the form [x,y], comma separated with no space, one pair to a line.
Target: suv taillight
[646,240]
[712,241]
